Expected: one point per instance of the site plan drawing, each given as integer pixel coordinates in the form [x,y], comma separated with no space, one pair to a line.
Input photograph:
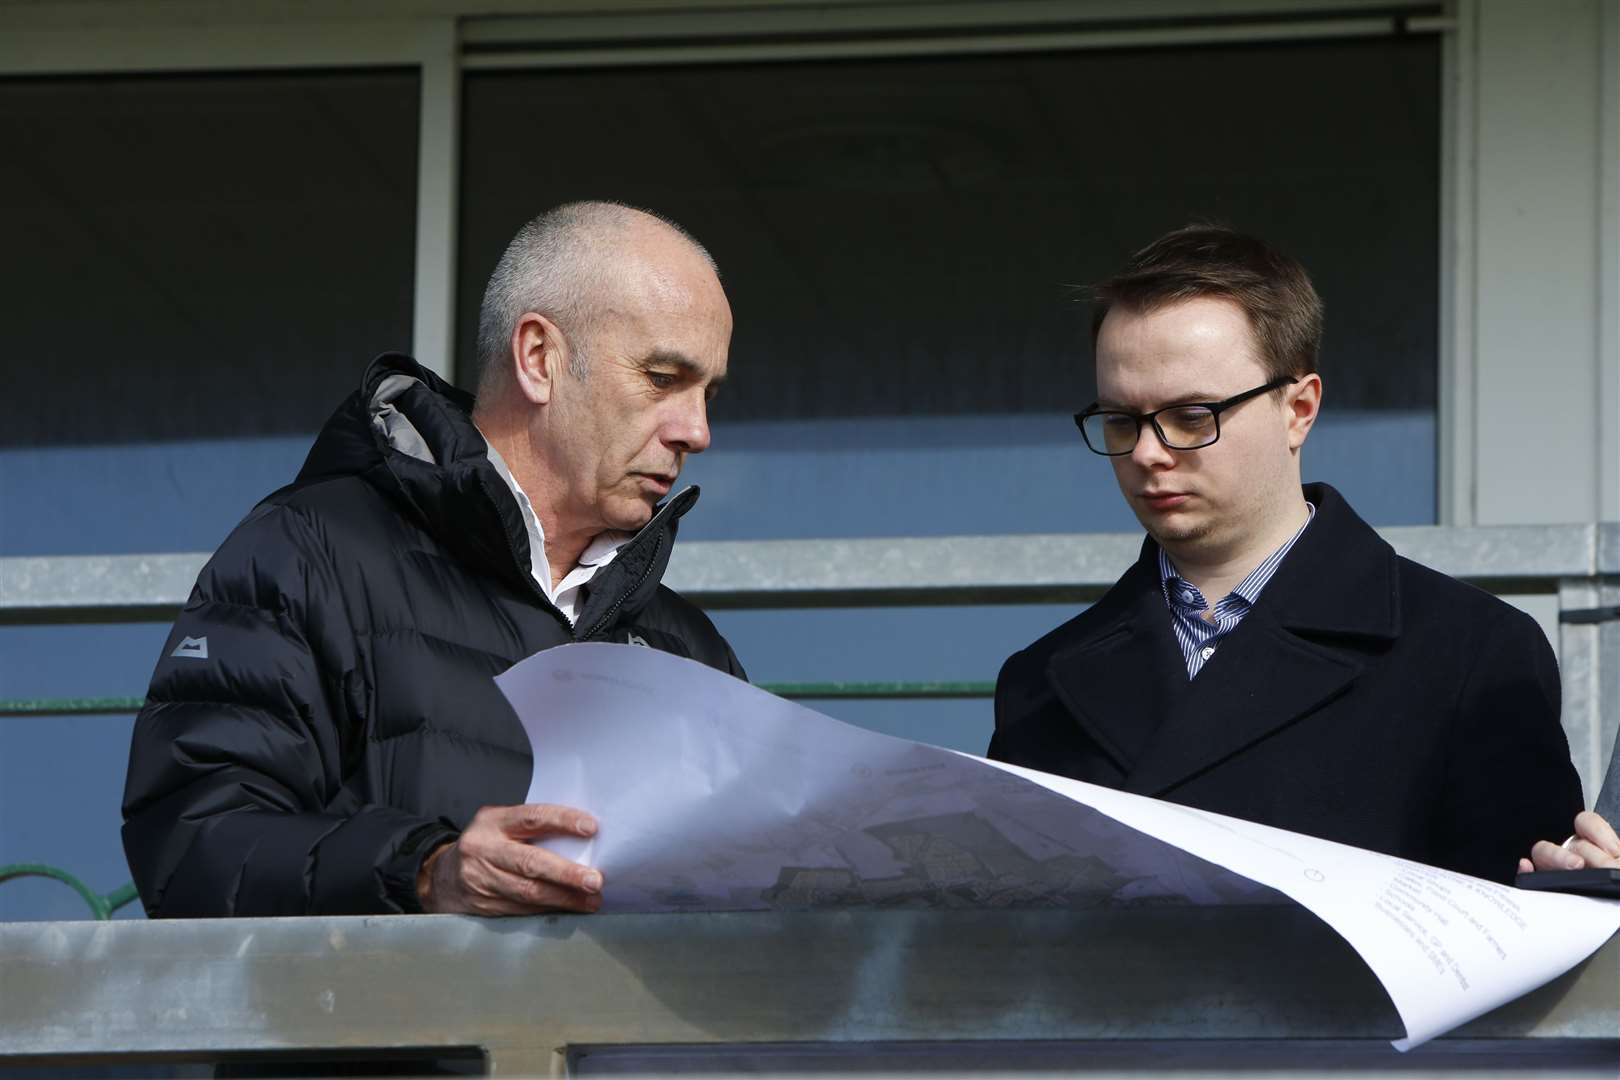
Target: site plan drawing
[714,795]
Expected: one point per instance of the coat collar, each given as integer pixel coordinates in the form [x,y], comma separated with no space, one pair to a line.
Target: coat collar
[1125,682]
[1341,578]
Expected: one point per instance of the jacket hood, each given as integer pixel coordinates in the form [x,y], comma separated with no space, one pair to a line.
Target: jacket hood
[410,435]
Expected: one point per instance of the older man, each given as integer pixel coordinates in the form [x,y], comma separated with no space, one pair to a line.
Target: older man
[322,734]
[1269,656]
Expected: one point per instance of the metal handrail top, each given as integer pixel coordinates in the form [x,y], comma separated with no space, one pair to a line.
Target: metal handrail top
[864,571]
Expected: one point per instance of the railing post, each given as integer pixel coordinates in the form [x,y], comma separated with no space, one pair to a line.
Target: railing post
[1579,667]
[1606,668]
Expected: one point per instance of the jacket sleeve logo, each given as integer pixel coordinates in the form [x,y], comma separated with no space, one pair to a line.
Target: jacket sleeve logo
[195,648]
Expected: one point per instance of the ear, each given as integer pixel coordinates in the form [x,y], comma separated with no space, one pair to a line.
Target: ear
[539,357]
[1302,402]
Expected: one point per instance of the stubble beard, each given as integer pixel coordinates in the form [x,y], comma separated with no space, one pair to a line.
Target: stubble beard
[1167,531]
[1189,533]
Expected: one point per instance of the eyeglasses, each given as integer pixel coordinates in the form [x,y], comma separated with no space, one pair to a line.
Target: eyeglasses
[1191,426]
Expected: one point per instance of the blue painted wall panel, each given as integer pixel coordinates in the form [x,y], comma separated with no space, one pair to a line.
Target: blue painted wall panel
[934,476]
[61,780]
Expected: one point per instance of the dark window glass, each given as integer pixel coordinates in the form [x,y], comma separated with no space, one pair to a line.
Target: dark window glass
[200,256]
[901,238]
[197,269]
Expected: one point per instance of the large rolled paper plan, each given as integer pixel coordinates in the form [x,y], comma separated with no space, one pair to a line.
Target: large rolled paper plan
[714,795]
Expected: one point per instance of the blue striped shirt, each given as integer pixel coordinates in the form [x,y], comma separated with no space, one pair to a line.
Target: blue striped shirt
[1197,635]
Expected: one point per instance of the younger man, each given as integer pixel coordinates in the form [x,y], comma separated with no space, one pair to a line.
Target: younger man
[1269,656]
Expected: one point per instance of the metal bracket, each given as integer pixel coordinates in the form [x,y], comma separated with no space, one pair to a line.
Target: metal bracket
[1590,616]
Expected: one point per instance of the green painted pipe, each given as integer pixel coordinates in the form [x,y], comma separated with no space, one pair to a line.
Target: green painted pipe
[69,706]
[880,690]
[101,907]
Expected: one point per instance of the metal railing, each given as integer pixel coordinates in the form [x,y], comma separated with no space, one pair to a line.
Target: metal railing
[1182,991]
[1511,559]
[1577,565]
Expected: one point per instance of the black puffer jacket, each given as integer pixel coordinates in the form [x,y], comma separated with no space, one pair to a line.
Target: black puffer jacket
[324,712]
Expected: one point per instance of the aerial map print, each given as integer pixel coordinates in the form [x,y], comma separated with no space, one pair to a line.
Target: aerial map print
[714,795]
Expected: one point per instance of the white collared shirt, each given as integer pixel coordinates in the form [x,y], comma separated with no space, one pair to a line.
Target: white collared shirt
[597,554]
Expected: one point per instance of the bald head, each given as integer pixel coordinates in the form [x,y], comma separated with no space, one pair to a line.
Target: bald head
[574,264]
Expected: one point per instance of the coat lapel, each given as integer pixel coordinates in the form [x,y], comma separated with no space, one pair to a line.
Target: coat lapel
[1261,679]
[1119,679]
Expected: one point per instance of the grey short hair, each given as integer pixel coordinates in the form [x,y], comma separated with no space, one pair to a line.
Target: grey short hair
[555,267]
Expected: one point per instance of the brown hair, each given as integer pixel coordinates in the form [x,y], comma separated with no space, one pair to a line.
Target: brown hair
[1273,290]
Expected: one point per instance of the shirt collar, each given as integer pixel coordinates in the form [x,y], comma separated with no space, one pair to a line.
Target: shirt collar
[604,547]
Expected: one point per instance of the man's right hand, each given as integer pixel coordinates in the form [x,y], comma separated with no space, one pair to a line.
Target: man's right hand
[1594,845]
[492,869]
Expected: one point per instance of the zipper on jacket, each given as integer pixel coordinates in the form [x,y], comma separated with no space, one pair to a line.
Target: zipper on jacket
[658,547]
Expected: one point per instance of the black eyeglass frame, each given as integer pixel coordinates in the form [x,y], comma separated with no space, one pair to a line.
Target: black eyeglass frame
[1215,408]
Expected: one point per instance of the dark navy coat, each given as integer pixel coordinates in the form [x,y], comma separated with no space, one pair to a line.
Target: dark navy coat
[1365,699]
